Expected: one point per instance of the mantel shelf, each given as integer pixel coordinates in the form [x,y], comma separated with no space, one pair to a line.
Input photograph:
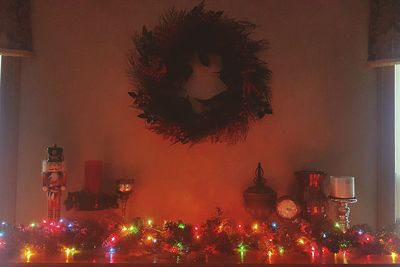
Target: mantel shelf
[228,261]
[128,264]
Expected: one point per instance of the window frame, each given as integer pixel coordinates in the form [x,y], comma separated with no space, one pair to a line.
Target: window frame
[386,180]
[397,139]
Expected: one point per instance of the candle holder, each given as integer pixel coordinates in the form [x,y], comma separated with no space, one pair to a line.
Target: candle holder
[124,190]
[343,211]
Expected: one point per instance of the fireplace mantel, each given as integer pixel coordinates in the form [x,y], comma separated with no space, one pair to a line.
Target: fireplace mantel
[128,264]
[299,261]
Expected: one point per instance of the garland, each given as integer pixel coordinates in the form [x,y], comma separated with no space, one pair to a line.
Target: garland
[160,68]
[217,235]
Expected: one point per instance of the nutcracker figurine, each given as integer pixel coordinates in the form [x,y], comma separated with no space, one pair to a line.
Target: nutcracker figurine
[54,180]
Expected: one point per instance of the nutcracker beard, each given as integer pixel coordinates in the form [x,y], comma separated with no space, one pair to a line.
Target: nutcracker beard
[53,204]
[54,184]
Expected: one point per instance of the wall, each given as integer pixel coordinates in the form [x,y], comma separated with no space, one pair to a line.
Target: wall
[74,93]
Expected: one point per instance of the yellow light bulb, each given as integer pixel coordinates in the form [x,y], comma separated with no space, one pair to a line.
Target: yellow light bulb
[394,256]
[70,252]
[301,241]
[28,253]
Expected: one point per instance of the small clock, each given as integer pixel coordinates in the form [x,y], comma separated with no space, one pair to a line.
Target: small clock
[287,208]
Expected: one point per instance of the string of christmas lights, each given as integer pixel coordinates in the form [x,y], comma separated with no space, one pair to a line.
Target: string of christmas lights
[217,235]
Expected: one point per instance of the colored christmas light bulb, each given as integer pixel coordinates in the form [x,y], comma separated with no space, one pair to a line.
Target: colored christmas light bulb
[113,239]
[111,253]
[124,229]
[360,232]
[242,247]
[150,222]
[28,253]
[255,226]
[312,255]
[69,252]
[393,255]
[300,241]
[181,226]
[179,246]
[324,235]
[133,229]
[274,225]
[2,234]
[337,225]
[281,250]
[345,257]
[270,253]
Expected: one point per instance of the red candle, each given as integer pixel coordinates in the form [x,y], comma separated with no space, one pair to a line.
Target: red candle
[93,176]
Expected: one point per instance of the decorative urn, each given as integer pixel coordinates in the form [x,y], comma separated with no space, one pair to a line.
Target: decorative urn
[259,199]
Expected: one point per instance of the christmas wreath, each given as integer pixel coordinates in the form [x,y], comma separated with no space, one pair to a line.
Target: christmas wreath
[197,77]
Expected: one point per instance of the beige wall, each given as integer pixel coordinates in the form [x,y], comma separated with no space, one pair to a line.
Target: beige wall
[74,93]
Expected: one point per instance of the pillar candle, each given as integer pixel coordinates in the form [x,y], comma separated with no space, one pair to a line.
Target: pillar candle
[93,176]
[342,187]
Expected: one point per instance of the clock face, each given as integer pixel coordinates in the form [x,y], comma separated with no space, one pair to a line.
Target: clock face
[287,208]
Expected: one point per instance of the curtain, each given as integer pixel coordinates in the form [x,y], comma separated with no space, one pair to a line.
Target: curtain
[15,28]
[15,41]
[9,122]
[384,33]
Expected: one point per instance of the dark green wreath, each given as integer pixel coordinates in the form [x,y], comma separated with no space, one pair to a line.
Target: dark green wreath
[159,68]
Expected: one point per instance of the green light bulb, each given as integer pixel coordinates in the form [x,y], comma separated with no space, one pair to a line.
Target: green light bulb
[134,229]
